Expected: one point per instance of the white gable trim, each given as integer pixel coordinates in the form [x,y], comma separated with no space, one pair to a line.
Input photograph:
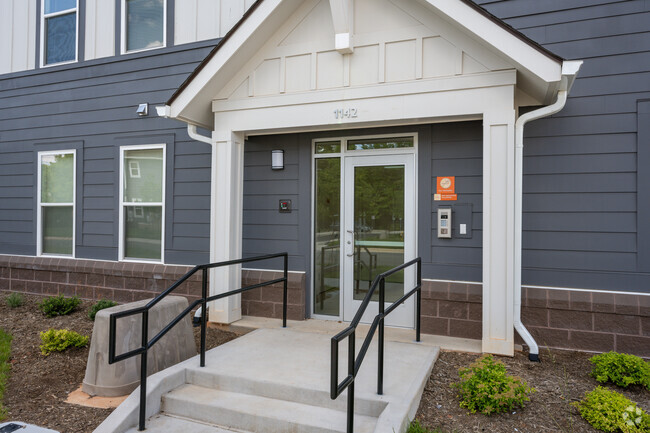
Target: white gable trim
[269,16]
[522,53]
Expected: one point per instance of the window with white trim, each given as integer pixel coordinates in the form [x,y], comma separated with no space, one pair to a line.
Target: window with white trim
[143,24]
[56,203]
[142,193]
[59,30]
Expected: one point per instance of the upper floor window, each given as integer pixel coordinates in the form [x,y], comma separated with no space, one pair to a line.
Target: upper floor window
[56,203]
[143,24]
[59,26]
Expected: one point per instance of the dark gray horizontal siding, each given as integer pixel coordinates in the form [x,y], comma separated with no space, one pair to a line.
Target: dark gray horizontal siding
[92,104]
[456,149]
[265,229]
[581,168]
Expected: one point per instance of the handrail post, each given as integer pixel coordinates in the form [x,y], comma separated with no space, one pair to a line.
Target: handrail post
[204,312]
[380,338]
[418,300]
[351,355]
[284,294]
[143,370]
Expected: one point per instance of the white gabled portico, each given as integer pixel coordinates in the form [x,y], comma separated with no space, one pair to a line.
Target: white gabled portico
[293,65]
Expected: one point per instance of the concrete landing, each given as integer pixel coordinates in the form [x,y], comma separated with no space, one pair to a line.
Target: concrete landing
[277,380]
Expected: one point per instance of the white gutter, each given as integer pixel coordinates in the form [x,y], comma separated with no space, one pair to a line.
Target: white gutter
[569,71]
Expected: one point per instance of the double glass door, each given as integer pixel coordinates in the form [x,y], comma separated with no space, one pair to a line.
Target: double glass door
[363,228]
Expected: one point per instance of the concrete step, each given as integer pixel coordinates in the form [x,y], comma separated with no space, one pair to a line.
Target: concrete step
[204,377]
[173,424]
[257,414]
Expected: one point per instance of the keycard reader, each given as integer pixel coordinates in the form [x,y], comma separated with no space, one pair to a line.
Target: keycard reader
[444,223]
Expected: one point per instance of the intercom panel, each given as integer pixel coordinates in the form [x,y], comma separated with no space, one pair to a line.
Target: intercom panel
[444,222]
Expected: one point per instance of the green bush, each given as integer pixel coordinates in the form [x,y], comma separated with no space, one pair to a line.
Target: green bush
[59,305]
[100,305]
[57,340]
[15,300]
[415,427]
[5,350]
[487,388]
[610,411]
[621,369]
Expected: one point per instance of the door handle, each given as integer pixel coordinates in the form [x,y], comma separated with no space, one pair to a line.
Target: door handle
[350,244]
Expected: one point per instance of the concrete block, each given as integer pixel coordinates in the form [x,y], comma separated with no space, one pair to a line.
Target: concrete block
[123,377]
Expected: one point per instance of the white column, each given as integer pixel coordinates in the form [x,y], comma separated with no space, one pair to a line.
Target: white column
[226,222]
[498,231]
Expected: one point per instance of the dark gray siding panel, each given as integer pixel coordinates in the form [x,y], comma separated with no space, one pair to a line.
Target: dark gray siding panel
[265,229]
[586,181]
[456,150]
[90,106]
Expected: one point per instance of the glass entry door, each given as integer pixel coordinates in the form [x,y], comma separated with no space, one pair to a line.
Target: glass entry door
[379,219]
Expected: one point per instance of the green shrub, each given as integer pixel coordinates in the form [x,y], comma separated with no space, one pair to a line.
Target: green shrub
[610,411]
[621,369]
[57,340]
[15,300]
[59,305]
[415,427]
[100,305]
[5,350]
[487,388]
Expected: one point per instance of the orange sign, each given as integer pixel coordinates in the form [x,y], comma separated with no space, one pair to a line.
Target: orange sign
[446,185]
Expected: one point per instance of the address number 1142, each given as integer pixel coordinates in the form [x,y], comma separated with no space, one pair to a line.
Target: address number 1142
[345,113]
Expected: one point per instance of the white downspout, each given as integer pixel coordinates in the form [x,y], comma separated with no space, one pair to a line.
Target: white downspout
[569,71]
[165,111]
[194,135]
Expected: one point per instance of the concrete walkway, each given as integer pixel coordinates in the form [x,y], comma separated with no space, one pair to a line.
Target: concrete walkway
[277,380]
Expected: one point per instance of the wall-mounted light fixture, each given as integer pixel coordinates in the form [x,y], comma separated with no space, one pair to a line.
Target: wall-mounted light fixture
[277,159]
[143,110]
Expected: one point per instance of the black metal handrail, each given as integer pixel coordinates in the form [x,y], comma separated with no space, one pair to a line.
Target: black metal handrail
[337,388]
[146,344]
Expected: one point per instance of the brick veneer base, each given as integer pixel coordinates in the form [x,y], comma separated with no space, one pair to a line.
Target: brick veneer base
[126,282]
[92,279]
[565,319]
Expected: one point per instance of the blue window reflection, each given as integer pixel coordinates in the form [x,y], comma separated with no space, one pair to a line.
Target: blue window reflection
[61,44]
[144,24]
[52,6]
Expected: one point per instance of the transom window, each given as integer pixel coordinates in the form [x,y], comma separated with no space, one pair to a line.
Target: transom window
[142,193]
[143,24]
[59,24]
[56,203]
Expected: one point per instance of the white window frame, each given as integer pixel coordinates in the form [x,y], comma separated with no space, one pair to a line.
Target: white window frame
[39,212]
[43,55]
[124,31]
[121,246]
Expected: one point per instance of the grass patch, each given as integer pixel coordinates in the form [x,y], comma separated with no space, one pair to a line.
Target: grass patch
[15,300]
[415,427]
[5,351]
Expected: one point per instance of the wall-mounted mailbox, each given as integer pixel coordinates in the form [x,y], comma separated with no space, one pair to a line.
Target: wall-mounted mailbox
[285,206]
[444,222]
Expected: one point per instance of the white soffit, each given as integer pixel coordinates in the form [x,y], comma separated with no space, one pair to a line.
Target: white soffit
[539,74]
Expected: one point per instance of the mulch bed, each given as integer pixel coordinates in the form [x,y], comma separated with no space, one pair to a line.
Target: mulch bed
[561,378]
[39,385]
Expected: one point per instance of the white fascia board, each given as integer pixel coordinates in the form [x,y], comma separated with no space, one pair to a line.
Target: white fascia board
[199,87]
[520,52]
